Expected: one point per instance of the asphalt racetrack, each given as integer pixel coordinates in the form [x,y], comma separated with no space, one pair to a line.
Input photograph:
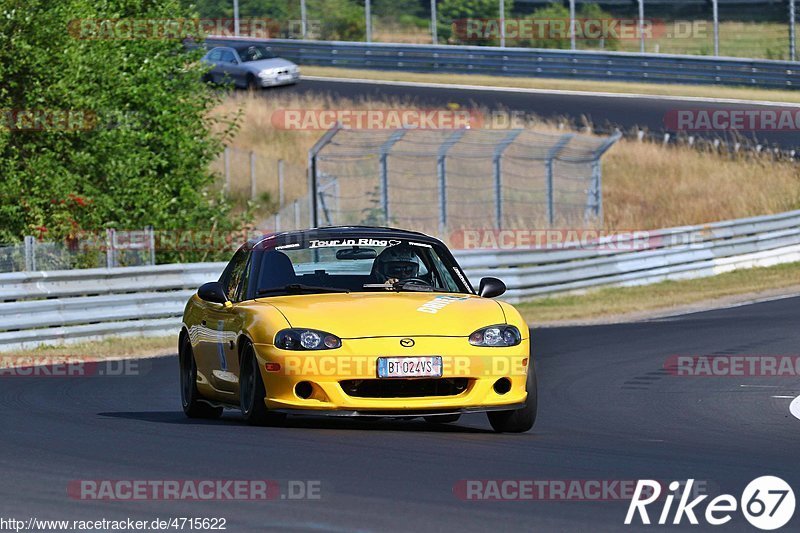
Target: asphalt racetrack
[604,112]
[608,410]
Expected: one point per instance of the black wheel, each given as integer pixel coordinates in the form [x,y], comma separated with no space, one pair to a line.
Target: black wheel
[442,419]
[192,402]
[518,420]
[252,392]
[252,83]
[208,78]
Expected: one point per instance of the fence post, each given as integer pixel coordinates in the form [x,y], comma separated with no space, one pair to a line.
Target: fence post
[792,31]
[30,253]
[312,174]
[280,183]
[548,174]
[386,147]
[226,157]
[303,19]
[572,44]
[641,26]
[368,20]
[715,8]
[594,204]
[434,29]
[252,175]
[297,216]
[498,175]
[151,232]
[502,24]
[441,171]
[111,244]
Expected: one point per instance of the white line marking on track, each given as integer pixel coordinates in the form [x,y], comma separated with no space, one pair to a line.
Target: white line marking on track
[554,91]
[784,397]
[794,407]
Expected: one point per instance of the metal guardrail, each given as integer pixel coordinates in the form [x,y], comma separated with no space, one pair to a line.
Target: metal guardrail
[78,305]
[533,62]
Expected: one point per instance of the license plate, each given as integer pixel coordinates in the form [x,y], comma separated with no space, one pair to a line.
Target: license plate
[410,367]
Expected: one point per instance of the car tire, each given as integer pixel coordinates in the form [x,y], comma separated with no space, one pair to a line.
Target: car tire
[193,404]
[442,419]
[518,420]
[252,392]
[252,83]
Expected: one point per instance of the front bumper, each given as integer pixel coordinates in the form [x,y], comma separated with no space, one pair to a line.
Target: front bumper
[279,79]
[479,367]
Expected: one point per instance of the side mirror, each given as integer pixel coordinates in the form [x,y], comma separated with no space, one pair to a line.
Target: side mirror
[213,292]
[234,61]
[491,287]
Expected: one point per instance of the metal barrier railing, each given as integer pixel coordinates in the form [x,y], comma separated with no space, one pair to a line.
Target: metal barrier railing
[54,307]
[534,62]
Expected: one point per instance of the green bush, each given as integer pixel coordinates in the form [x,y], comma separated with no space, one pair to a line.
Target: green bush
[142,155]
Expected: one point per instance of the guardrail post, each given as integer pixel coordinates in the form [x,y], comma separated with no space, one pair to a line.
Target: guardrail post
[312,175]
[498,175]
[386,147]
[548,174]
[30,253]
[441,171]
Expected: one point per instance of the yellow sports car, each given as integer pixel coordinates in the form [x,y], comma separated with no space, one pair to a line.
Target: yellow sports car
[354,321]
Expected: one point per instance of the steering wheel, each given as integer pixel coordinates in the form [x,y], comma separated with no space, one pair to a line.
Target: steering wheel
[418,281]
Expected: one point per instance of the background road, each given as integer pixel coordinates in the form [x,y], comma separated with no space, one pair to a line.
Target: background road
[608,410]
[604,112]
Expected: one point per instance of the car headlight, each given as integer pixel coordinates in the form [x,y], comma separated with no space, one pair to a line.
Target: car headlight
[269,72]
[306,339]
[502,335]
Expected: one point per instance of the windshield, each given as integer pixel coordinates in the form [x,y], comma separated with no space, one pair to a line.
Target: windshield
[255,53]
[356,265]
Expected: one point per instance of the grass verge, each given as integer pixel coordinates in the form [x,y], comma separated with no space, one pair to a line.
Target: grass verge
[630,303]
[111,348]
[711,91]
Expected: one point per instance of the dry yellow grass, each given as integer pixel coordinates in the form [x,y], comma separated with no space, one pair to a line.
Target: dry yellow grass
[649,186]
[645,185]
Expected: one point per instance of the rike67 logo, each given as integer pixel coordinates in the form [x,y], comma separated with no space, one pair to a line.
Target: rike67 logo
[767,503]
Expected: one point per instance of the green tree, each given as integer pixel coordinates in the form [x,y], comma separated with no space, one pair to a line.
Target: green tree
[453,14]
[141,156]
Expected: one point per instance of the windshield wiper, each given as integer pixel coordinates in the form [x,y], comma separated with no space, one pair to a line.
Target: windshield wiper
[298,287]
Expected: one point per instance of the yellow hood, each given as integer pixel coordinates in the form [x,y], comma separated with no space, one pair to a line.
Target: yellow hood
[389,314]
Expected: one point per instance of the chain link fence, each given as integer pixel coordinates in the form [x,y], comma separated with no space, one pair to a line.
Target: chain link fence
[108,249]
[439,181]
[758,29]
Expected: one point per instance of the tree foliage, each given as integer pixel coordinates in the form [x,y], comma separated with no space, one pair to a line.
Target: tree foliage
[142,155]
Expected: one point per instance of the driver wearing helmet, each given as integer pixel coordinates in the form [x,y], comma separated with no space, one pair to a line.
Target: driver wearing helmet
[395,263]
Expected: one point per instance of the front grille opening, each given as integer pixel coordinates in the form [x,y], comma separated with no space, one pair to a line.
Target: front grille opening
[404,388]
